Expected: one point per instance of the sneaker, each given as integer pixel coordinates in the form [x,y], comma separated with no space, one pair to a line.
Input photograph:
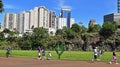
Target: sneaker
[116,63]
[92,60]
[98,59]
[110,62]
[38,58]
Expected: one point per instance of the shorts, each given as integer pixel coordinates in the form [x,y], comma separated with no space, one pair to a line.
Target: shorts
[114,58]
[7,52]
[95,56]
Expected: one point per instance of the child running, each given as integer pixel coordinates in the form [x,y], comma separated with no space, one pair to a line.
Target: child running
[114,58]
[39,55]
[7,52]
[49,55]
[43,54]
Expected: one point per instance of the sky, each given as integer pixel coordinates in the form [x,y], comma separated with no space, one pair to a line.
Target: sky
[81,10]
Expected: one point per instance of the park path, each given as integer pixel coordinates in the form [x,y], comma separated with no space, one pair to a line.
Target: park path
[25,62]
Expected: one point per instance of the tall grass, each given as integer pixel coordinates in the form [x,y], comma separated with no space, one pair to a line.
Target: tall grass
[67,55]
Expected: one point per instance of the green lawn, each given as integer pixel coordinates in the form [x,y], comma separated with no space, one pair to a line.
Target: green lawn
[67,55]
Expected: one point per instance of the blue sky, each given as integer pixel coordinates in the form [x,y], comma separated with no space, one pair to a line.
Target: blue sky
[82,10]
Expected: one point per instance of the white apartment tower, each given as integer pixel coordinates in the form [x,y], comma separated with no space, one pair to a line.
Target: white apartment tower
[39,17]
[10,21]
[61,23]
[43,17]
[26,21]
[21,22]
[36,17]
[32,19]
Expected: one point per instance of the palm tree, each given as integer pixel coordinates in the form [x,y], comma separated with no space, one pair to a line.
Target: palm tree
[1,6]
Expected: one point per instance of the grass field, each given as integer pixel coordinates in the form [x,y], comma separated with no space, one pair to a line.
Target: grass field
[67,55]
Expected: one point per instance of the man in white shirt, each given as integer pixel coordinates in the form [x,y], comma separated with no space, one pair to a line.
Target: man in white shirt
[95,53]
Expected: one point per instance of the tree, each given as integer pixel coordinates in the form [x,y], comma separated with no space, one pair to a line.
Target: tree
[59,50]
[1,36]
[25,43]
[94,28]
[39,37]
[83,29]
[59,32]
[51,42]
[6,30]
[108,28]
[68,33]
[9,35]
[76,28]
[40,32]
[107,34]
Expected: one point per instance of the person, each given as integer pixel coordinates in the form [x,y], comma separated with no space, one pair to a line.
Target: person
[39,55]
[100,52]
[7,52]
[49,55]
[43,54]
[114,57]
[95,53]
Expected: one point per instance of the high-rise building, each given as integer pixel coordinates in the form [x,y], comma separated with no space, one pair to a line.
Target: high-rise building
[43,17]
[21,20]
[92,22]
[72,21]
[10,21]
[36,17]
[32,19]
[39,17]
[118,6]
[114,16]
[61,22]
[66,13]
[26,21]
[52,17]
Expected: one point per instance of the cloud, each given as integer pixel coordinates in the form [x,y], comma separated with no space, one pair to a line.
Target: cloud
[62,4]
[7,6]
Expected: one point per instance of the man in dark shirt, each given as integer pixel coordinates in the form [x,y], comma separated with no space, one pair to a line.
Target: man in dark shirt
[7,52]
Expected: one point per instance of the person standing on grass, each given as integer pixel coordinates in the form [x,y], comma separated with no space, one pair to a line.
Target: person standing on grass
[95,53]
[49,56]
[100,52]
[43,54]
[114,58]
[7,52]
[39,55]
